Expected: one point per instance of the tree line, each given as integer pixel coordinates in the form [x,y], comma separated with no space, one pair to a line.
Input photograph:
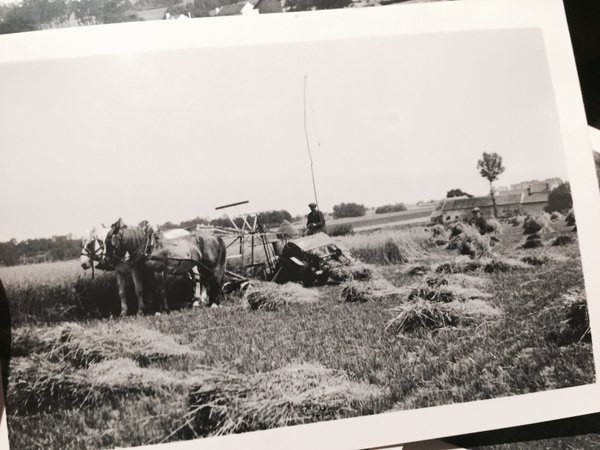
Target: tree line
[56,248]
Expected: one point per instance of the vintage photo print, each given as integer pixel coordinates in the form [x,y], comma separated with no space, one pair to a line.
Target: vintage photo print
[324,229]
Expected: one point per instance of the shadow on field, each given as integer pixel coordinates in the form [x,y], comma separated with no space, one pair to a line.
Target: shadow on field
[556,429]
[5,343]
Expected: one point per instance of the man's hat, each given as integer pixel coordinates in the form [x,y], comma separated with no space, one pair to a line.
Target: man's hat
[312,205]
[475,210]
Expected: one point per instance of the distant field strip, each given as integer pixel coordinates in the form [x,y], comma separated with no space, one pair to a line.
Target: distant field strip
[372,221]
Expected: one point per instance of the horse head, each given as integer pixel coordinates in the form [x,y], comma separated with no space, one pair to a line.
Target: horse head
[93,248]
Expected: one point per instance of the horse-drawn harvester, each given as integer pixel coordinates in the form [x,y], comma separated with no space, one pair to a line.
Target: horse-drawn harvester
[257,253]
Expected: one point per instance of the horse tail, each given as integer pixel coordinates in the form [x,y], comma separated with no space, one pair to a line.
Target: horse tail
[221,259]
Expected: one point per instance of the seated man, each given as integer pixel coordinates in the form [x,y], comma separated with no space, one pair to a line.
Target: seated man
[316,220]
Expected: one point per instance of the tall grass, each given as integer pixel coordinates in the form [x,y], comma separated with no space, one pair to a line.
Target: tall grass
[59,291]
[387,247]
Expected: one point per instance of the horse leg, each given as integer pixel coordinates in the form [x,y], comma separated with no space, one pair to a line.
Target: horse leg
[122,283]
[195,274]
[163,290]
[138,283]
[215,293]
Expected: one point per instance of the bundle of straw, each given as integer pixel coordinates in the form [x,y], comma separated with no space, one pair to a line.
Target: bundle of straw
[296,394]
[269,296]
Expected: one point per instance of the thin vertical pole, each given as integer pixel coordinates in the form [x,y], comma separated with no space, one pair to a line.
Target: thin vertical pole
[308,143]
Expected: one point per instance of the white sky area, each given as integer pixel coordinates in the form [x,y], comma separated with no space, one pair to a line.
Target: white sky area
[170,136]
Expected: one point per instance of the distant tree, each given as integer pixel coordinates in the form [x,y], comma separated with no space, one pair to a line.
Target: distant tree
[224,222]
[168,226]
[490,167]
[191,224]
[18,19]
[274,218]
[390,208]
[457,193]
[560,199]
[349,210]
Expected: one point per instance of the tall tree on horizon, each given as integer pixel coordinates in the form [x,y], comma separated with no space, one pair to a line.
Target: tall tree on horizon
[490,167]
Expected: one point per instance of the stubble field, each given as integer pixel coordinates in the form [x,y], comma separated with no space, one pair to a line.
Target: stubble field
[426,327]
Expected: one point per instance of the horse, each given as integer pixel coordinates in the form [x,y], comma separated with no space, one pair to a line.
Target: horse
[192,253]
[92,249]
[93,255]
[199,252]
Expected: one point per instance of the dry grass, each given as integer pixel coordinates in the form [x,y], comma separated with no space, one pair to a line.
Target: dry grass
[355,271]
[295,394]
[423,314]
[561,240]
[387,247]
[468,241]
[241,362]
[374,290]
[39,385]
[417,269]
[499,265]
[575,327]
[85,345]
[537,224]
[268,296]
[458,265]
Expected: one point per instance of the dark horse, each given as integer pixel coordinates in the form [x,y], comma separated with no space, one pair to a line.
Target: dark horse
[134,250]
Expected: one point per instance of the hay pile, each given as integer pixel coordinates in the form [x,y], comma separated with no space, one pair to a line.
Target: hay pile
[370,291]
[462,265]
[570,219]
[493,226]
[417,269]
[516,221]
[423,314]
[496,265]
[556,217]
[355,271]
[561,240]
[287,231]
[445,289]
[269,296]
[458,265]
[104,340]
[39,385]
[534,260]
[296,394]
[576,326]
[469,241]
[439,235]
[536,224]
[439,301]
[532,241]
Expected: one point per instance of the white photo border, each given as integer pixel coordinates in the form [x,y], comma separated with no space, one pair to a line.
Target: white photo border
[545,15]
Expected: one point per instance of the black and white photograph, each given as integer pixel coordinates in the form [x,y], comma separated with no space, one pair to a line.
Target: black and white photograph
[230,236]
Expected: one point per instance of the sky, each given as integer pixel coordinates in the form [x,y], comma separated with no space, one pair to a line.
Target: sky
[169,136]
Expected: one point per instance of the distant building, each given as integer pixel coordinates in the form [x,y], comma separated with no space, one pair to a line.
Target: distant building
[532,199]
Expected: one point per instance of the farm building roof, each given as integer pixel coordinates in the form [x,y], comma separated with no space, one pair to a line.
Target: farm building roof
[538,188]
[452,204]
[540,197]
[509,199]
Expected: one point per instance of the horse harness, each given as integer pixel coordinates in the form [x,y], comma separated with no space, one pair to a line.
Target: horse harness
[144,253]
